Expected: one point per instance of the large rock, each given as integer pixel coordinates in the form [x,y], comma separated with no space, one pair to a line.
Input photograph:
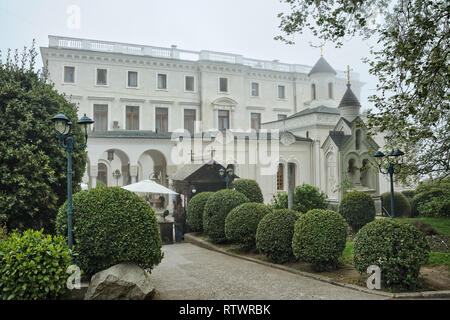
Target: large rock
[124,281]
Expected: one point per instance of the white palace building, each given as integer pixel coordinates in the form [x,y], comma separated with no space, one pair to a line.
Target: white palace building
[178,116]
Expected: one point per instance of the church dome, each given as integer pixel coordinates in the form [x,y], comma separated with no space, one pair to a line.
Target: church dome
[349,99]
[322,66]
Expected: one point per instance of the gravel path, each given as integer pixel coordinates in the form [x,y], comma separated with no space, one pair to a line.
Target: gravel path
[191,272]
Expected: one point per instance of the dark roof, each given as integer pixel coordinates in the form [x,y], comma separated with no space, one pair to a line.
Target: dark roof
[349,98]
[322,66]
[339,137]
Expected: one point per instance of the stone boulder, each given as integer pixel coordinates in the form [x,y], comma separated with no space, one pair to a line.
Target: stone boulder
[124,281]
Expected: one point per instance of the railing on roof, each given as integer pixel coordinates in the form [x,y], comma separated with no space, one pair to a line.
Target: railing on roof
[175,53]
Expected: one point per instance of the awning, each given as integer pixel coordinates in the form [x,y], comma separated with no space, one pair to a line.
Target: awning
[148,186]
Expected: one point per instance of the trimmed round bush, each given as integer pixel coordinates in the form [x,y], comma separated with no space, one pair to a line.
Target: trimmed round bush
[216,210]
[250,189]
[401,203]
[241,223]
[398,248]
[434,202]
[195,207]
[409,194]
[357,208]
[274,235]
[112,225]
[319,238]
[33,266]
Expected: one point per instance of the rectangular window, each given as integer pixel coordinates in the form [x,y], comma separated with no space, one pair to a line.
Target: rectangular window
[162,81]
[189,83]
[224,119]
[330,90]
[189,120]
[281,92]
[280,177]
[161,119]
[101,77]
[223,84]
[282,116]
[132,115]
[256,121]
[101,117]
[255,89]
[69,74]
[132,79]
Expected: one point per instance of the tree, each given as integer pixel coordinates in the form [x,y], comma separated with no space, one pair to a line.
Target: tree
[411,62]
[33,166]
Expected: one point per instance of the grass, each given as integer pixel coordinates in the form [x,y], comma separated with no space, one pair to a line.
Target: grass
[347,254]
[441,225]
[439,258]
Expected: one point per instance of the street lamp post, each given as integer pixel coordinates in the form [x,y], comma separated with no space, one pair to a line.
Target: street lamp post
[62,128]
[116,175]
[394,167]
[227,174]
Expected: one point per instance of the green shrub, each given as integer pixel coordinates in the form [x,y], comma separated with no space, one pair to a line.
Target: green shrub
[195,207]
[319,238]
[357,208]
[306,197]
[426,228]
[401,203]
[398,248]
[112,225]
[3,233]
[216,210]
[249,188]
[437,192]
[274,235]
[409,194]
[33,266]
[241,223]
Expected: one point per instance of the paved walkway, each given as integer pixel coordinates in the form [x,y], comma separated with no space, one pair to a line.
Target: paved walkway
[191,272]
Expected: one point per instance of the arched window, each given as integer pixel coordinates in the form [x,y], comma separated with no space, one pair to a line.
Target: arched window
[357,139]
[280,177]
[313,92]
[102,174]
[330,90]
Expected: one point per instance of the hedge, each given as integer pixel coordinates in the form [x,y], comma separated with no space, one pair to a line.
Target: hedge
[402,204]
[216,210]
[274,235]
[112,225]
[357,208]
[398,248]
[306,197]
[195,207]
[319,238]
[241,223]
[249,188]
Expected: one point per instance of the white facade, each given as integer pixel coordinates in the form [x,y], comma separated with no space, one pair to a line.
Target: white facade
[180,81]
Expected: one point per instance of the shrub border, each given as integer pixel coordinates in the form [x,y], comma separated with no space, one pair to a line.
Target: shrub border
[191,238]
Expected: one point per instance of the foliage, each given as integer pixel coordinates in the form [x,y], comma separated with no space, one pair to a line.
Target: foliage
[100,184]
[398,248]
[306,197]
[441,225]
[216,210]
[195,207]
[432,198]
[319,238]
[249,188]
[274,235]
[33,266]
[409,60]
[33,169]
[409,194]
[111,225]
[402,206]
[426,228]
[241,223]
[3,232]
[435,207]
[357,208]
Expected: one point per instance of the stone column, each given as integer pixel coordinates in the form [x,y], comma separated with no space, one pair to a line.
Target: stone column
[93,173]
[133,173]
[291,179]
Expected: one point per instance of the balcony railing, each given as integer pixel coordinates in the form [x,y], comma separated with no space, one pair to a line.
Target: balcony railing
[175,53]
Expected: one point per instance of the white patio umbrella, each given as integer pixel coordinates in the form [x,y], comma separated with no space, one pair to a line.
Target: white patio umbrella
[148,186]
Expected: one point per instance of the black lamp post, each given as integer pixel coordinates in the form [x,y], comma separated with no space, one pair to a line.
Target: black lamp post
[62,128]
[227,174]
[394,167]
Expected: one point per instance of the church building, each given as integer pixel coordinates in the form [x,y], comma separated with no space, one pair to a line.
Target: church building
[178,117]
